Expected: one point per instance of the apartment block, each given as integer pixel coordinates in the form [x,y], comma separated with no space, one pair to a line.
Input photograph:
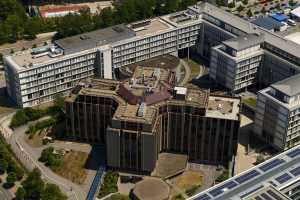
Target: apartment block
[145,115]
[275,179]
[235,63]
[277,113]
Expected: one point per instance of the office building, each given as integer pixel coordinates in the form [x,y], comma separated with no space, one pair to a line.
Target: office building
[277,113]
[145,115]
[275,179]
[234,63]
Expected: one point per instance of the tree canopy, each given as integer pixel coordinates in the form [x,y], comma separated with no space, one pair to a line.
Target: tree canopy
[15,24]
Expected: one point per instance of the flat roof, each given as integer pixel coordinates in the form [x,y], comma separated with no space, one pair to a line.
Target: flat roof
[280,171]
[289,86]
[248,27]
[154,26]
[244,42]
[267,23]
[223,107]
[95,38]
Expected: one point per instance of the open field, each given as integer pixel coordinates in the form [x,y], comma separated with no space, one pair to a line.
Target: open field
[72,167]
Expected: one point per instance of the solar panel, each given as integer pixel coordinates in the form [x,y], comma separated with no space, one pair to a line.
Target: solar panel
[247,176]
[272,164]
[258,198]
[251,191]
[275,196]
[295,171]
[293,153]
[266,197]
[273,183]
[283,178]
[203,197]
[220,189]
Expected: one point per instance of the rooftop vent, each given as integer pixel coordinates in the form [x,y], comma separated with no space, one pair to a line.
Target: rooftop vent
[118,29]
[141,110]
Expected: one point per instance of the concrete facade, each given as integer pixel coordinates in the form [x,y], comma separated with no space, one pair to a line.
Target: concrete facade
[141,117]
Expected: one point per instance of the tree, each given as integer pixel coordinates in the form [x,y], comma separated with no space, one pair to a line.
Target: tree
[46,154]
[291,2]
[20,194]
[33,185]
[1,57]
[263,10]
[10,180]
[245,2]
[249,13]
[52,192]
[231,5]
[3,166]
[240,8]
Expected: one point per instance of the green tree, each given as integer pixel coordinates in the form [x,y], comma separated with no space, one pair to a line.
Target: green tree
[245,2]
[1,57]
[231,5]
[20,194]
[249,13]
[3,166]
[240,8]
[46,154]
[33,185]
[263,10]
[10,179]
[52,192]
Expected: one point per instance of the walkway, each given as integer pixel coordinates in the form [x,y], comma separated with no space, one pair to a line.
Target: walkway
[29,159]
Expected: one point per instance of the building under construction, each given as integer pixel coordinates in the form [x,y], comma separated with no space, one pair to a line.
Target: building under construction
[145,115]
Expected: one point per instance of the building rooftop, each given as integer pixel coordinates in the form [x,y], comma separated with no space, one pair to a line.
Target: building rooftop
[288,86]
[267,23]
[244,42]
[223,107]
[278,172]
[248,27]
[181,18]
[92,39]
[148,27]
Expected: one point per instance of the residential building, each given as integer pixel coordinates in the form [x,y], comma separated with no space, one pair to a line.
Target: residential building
[277,113]
[275,179]
[142,116]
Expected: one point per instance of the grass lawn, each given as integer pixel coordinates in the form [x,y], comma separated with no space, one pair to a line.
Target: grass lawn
[189,179]
[72,167]
[250,101]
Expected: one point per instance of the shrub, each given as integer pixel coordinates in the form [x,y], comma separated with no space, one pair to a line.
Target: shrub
[110,184]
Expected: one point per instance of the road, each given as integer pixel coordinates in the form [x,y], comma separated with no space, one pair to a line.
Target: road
[29,159]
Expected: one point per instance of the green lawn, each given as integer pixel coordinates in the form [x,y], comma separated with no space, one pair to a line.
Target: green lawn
[250,101]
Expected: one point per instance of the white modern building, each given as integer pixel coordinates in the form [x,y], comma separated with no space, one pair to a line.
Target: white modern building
[36,76]
[234,63]
[277,117]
